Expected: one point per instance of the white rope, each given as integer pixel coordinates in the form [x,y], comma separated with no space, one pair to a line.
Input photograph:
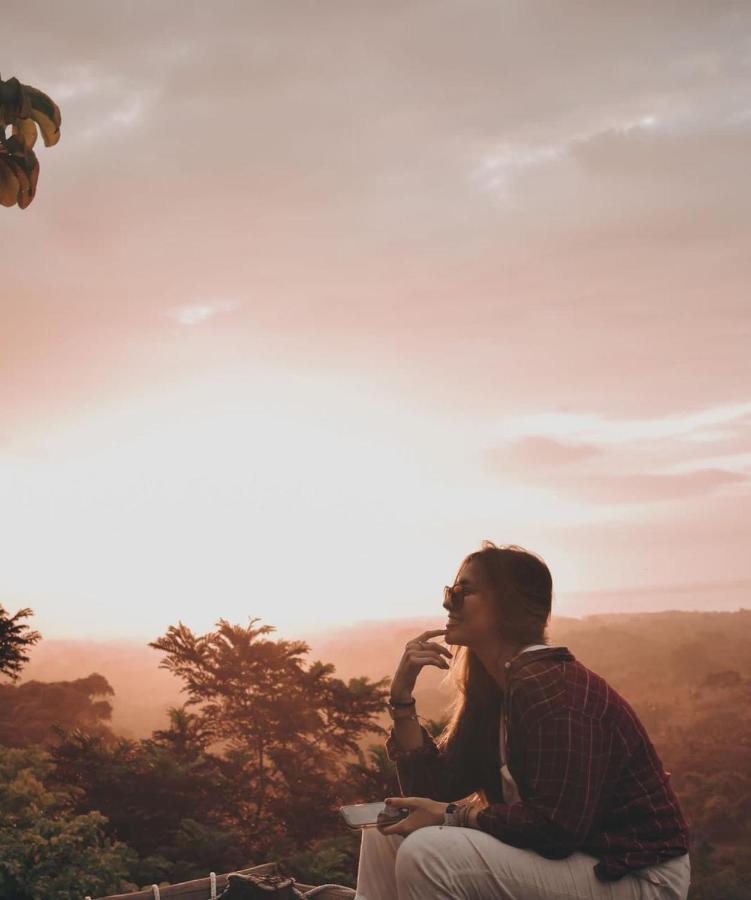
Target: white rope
[155,889]
[319,888]
[212,876]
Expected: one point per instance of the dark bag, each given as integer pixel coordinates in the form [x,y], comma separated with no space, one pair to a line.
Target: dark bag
[259,887]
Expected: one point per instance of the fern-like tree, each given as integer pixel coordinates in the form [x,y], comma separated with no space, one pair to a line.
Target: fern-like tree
[16,639]
[288,728]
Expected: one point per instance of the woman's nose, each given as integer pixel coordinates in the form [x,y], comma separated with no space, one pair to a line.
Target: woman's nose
[448,601]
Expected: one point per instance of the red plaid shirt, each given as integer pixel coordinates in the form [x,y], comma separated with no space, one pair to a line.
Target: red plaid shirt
[588,776]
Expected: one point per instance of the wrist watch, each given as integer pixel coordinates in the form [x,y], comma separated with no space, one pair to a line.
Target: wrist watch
[451,814]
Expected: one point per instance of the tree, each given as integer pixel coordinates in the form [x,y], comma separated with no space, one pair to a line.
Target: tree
[373,776]
[34,712]
[47,849]
[188,735]
[15,639]
[708,751]
[25,109]
[287,730]
[172,807]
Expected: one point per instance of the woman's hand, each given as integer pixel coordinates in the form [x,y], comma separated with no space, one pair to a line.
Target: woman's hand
[419,652]
[422,812]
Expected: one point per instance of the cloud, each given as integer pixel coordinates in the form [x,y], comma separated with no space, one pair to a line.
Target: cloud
[652,488]
[529,453]
[124,114]
[276,148]
[198,313]
[598,429]
[342,161]
[736,462]
[497,170]
[637,461]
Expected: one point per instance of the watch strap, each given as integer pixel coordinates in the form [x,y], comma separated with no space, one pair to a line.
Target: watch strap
[451,814]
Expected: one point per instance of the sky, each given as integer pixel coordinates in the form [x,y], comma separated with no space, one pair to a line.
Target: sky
[316,296]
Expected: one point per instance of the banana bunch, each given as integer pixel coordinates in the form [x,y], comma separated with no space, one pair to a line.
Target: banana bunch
[25,109]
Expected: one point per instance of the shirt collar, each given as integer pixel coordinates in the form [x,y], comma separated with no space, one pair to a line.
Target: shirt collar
[554,654]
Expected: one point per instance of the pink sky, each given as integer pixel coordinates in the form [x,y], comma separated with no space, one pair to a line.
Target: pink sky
[315,297]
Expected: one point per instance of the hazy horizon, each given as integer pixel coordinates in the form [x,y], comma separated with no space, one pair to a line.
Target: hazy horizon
[728,597]
[143,692]
[312,300]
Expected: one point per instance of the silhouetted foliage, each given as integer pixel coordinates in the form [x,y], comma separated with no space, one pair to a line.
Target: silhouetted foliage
[16,638]
[48,850]
[174,808]
[288,728]
[34,712]
[188,735]
[25,109]
[253,767]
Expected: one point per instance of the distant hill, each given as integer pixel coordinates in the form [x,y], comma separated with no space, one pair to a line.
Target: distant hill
[143,691]
[635,652]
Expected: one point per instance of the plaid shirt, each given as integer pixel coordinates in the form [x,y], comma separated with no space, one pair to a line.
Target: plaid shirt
[587,773]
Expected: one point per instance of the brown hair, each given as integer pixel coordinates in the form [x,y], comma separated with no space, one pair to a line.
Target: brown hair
[522,587]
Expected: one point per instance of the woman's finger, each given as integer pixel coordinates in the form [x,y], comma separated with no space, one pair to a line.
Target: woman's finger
[415,652]
[424,642]
[422,661]
[427,647]
[429,659]
[390,829]
[400,826]
[428,634]
[443,650]
[404,802]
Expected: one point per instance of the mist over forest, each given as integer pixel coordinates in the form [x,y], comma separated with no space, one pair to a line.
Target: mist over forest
[103,758]
[645,656]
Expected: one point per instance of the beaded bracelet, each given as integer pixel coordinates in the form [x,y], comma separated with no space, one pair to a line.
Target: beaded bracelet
[397,704]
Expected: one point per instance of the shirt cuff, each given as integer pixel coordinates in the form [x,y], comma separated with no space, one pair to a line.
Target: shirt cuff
[485,819]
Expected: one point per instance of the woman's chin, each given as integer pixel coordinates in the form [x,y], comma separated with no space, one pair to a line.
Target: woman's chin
[453,633]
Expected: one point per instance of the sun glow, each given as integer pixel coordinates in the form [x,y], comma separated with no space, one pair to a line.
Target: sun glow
[297,499]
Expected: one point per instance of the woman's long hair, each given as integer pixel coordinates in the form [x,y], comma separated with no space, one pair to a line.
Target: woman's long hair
[522,588]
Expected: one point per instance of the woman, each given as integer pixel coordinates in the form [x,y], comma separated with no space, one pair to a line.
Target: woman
[544,783]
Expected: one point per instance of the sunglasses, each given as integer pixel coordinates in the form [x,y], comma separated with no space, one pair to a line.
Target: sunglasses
[454,596]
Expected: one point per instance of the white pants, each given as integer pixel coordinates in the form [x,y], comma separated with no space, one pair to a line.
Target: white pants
[446,863]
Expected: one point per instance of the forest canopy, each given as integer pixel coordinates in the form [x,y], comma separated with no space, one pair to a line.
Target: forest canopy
[252,765]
